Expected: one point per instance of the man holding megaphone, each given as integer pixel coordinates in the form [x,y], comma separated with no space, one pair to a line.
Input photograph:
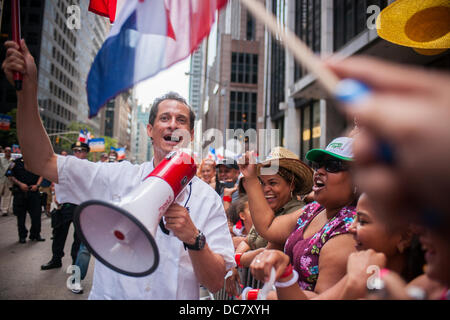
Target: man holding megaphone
[198,249]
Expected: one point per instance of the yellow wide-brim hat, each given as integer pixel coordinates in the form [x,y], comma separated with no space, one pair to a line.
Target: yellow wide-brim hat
[423,25]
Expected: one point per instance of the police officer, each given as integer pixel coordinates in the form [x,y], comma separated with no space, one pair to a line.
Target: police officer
[62,218]
[26,198]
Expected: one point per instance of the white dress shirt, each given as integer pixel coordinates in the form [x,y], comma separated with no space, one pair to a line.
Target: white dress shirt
[81,180]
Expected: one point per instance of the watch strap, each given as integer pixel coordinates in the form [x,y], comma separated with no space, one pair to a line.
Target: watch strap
[199,242]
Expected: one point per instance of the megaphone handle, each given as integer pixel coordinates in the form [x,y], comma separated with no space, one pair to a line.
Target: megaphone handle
[179,199]
[182,196]
[163,227]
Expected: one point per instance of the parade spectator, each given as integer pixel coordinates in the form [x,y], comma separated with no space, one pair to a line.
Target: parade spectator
[316,237]
[437,256]
[379,245]
[281,191]
[207,172]
[26,199]
[228,174]
[104,157]
[397,242]
[200,250]
[434,284]
[283,178]
[240,220]
[112,156]
[63,218]
[244,224]
[232,217]
[5,183]
[292,178]
[408,109]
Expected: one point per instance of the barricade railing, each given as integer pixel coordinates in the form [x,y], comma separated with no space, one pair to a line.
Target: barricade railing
[247,280]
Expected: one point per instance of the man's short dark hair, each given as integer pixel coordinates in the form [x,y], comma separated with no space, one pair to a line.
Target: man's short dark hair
[170,96]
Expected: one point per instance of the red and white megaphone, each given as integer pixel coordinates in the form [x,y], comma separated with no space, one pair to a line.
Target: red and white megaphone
[121,235]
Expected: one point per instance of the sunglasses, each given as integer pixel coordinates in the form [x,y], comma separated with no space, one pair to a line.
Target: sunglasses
[331,166]
[75,150]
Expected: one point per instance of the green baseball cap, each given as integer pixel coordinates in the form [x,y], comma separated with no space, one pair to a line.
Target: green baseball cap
[340,148]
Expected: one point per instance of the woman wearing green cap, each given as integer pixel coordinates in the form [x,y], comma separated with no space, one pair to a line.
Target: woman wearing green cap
[316,237]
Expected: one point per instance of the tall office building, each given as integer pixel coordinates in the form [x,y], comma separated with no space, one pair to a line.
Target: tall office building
[117,121]
[296,104]
[195,80]
[63,53]
[235,80]
[141,144]
[32,22]
[91,36]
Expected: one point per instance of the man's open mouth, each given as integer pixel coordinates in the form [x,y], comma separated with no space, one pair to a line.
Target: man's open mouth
[173,138]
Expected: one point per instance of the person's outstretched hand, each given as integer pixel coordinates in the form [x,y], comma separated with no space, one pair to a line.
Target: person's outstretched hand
[409,108]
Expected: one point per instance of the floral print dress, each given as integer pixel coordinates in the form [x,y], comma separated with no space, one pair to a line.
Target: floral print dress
[304,253]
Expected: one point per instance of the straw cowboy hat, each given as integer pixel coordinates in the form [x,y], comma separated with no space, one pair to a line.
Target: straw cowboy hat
[290,161]
[423,25]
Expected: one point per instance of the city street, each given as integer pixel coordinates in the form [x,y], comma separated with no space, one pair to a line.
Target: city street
[20,274]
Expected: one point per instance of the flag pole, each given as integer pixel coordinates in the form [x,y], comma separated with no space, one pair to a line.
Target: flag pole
[298,48]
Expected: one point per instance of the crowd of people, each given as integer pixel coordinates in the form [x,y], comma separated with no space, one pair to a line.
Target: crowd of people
[365,218]
[22,192]
[323,238]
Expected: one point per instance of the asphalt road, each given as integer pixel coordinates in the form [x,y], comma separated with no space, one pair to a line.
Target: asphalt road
[21,276]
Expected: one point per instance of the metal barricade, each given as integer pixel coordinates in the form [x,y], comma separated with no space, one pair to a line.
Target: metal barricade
[247,280]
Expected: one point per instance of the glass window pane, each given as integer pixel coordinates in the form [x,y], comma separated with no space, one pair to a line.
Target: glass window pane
[316,131]
[306,129]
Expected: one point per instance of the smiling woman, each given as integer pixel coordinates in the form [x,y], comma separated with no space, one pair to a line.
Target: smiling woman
[315,238]
[283,177]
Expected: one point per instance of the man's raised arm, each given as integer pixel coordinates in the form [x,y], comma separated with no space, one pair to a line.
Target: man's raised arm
[34,142]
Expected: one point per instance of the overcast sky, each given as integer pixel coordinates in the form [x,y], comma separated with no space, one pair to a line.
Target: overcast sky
[172,79]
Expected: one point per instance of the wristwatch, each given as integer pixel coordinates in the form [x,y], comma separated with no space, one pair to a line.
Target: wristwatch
[199,244]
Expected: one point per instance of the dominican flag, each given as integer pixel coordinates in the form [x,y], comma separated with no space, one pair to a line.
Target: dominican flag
[106,8]
[84,136]
[147,37]
[121,154]
[212,154]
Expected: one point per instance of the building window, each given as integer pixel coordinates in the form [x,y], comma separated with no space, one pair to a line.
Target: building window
[34,19]
[350,19]
[250,27]
[307,28]
[279,125]
[244,67]
[277,64]
[242,110]
[309,127]
[277,78]
[109,119]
